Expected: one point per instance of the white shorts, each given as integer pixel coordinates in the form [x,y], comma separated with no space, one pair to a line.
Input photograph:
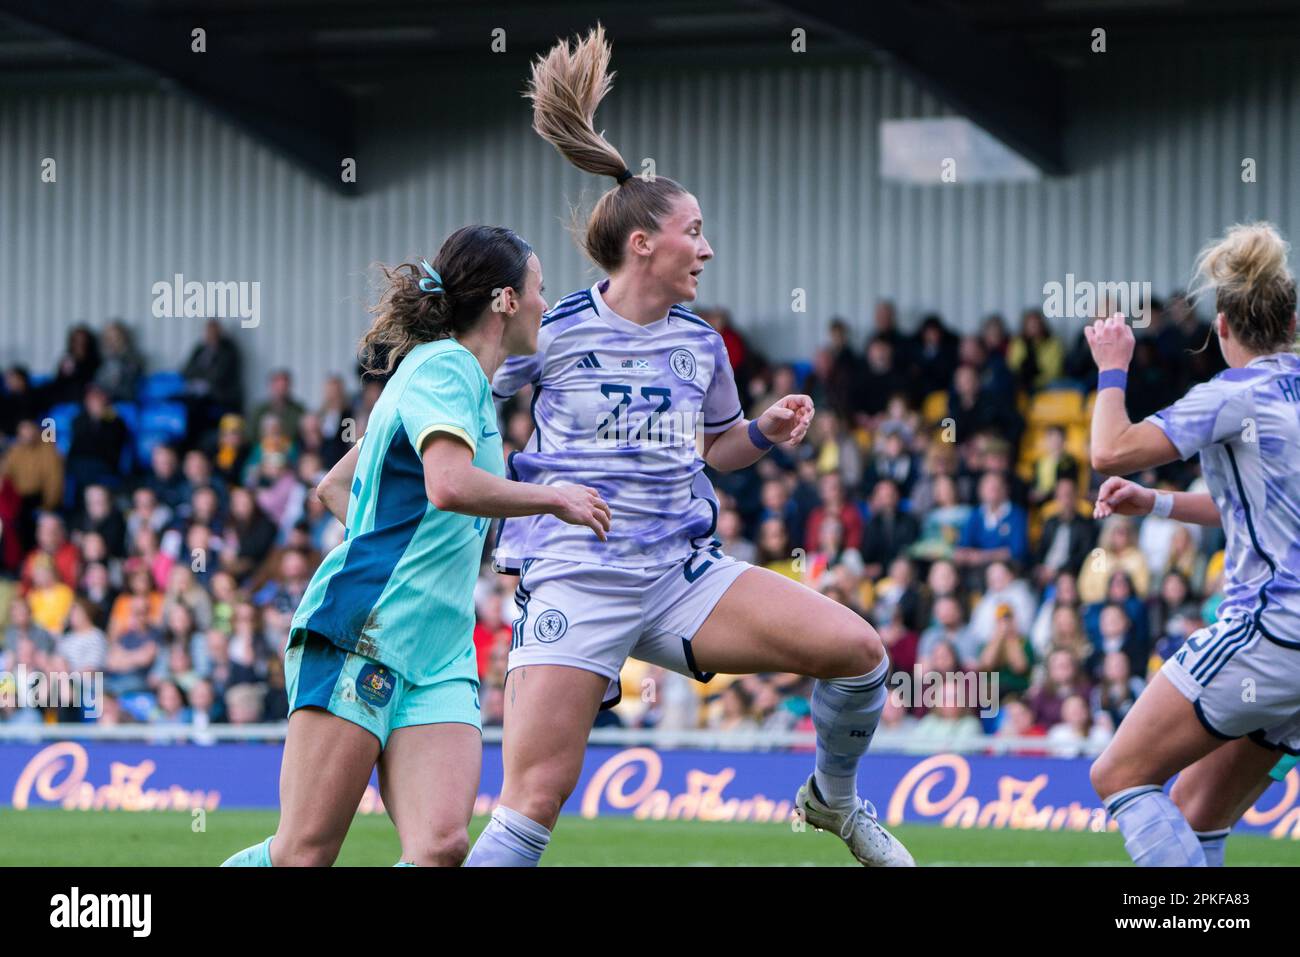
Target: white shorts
[595,617]
[1241,682]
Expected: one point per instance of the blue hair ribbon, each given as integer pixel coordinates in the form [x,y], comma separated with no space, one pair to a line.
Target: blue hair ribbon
[433,283]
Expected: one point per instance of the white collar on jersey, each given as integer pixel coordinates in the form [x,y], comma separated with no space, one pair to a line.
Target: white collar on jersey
[1269,357]
[622,322]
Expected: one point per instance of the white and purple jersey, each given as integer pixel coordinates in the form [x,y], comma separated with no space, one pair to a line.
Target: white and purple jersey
[617,406]
[1246,424]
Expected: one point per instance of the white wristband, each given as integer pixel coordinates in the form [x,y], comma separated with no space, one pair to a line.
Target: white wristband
[1164,504]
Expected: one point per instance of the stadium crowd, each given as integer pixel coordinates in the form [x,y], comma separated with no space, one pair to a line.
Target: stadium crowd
[158,531]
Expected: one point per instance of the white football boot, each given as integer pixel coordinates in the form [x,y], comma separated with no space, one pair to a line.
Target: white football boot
[870,843]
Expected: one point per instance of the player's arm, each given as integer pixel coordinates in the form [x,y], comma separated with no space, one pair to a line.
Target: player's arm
[454,484]
[740,446]
[1120,447]
[1119,496]
[335,488]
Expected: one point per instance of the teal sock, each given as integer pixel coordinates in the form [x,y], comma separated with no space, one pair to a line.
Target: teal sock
[259,855]
[403,864]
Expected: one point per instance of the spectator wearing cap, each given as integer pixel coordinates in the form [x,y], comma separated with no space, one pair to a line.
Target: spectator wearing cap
[1008,653]
[231,450]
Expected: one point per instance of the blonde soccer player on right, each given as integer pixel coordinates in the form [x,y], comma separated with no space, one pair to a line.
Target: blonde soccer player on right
[1228,702]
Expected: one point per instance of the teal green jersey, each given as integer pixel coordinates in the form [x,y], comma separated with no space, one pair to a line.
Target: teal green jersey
[400,588]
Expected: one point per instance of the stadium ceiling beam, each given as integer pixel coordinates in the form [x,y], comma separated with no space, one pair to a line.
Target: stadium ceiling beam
[294,114]
[996,82]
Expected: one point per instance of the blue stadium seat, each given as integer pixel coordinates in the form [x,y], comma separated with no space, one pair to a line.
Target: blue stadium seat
[129,413]
[63,414]
[160,386]
[168,418]
[158,422]
[802,370]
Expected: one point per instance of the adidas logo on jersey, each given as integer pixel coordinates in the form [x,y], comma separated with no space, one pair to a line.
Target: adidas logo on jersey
[589,361]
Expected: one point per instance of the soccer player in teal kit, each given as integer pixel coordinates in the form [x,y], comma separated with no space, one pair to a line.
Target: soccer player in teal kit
[380,663]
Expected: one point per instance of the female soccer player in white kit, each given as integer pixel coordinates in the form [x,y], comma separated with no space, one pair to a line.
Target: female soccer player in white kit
[622,376]
[1228,702]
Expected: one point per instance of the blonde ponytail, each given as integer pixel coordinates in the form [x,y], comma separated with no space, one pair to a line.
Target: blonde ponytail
[1253,286]
[567,85]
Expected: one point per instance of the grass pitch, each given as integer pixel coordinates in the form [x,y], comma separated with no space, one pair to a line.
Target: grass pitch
[119,839]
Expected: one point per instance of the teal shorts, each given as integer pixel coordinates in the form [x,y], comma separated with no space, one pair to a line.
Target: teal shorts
[320,674]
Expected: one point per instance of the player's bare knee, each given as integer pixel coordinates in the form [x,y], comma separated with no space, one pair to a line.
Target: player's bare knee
[540,796]
[1106,776]
[445,848]
[857,652]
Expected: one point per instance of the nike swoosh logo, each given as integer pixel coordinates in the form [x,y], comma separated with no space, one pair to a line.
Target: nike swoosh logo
[487,435]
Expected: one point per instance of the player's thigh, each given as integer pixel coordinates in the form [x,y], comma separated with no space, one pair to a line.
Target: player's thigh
[1215,791]
[549,711]
[767,622]
[332,746]
[1159,737]
[428,778]
[323,776]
